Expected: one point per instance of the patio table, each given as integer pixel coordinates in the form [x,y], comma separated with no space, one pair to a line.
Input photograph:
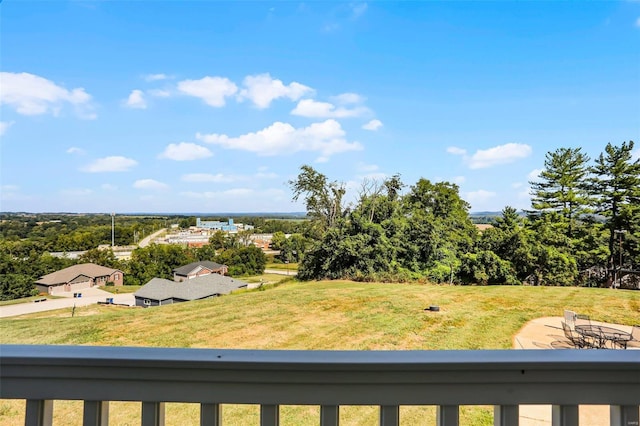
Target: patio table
[602,334]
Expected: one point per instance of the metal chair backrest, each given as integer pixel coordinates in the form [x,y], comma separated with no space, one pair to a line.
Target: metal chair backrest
[570,319]
[635,333]
[582,320]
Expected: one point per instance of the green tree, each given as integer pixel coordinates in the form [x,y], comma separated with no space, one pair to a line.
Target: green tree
[562,185]
[323,199]
[614,189]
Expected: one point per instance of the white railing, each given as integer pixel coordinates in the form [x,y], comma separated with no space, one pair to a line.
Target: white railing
[388,379]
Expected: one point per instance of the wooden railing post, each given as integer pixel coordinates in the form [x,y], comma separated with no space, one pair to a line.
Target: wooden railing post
[96,413]
[506,415]
[448,415]
[269,415]
[564,415]
[625,415]
[39,412]
[329,415]
[389,415]
[210,415]
[152,413]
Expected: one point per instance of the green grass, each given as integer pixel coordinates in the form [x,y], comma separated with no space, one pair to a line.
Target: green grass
[325,315]
[26,299]
[282,266]
[121,289]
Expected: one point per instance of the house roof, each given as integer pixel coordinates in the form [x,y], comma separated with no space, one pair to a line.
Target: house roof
[193,289]
[186,269]
[66,275]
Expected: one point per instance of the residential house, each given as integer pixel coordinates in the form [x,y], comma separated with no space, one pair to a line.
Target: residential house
[198,269]
[160,291]
[78,277]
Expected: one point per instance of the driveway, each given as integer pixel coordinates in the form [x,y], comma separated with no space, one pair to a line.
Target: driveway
[90,296]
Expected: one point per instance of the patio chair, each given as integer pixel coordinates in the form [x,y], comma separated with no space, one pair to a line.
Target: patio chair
[635,337]
[570,318]
[582,319]
[576,340]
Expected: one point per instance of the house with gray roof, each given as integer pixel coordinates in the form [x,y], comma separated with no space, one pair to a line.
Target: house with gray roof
[160,291]
[198,269]
[78,277]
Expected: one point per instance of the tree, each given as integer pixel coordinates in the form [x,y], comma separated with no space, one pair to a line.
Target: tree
[614,189]
[323,199]
[562,185]
[218,240]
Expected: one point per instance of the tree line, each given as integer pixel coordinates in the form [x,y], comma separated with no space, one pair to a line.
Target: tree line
[17,276]
[583,227]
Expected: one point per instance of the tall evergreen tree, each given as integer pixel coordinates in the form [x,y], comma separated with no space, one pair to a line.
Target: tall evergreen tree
[562,185]
[614,188]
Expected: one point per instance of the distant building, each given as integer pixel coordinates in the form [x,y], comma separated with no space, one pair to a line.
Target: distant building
[160,291]
[198,269]
[78,277]
[216,225]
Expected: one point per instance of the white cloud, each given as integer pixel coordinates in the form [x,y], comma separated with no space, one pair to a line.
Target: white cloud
[155,77]
[212,90]
[236,193]
[459,180]
[534,175]
[348,98]
[150,184]
[366,168]
[30,94]
[479,197]
[136,100]
[110,164]
[159,93]
[76,192]
[108,187]
[327,138]
[635,154]
[315,109]
[208,177]
[185,151]
[456,151]
[75,150]
[516,185]
[4,126]
[266,175]
[9,188]
[501,154]
[373,125]
[262,89]
[358,9]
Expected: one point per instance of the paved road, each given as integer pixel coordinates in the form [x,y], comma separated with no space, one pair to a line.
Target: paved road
[90,296]
[147,240]
[280,272]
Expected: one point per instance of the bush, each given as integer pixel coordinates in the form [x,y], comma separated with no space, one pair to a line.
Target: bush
[110,284]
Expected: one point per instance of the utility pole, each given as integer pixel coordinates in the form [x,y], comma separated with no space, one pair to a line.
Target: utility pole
[113,232]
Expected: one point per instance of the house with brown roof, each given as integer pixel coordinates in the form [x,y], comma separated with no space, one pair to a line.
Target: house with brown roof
[198,269]
[78,277]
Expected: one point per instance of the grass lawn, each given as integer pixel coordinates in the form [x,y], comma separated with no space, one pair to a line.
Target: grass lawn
[321,315]
[26,299]
[121,289]
[283,266]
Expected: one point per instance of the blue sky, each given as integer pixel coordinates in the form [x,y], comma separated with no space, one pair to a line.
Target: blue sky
[211,106]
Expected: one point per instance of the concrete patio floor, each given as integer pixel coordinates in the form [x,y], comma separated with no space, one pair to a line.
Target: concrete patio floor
[539,334]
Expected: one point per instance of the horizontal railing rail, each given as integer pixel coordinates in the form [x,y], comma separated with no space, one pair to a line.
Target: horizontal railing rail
[389,379]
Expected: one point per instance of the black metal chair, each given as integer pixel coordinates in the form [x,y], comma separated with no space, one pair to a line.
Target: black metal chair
[577,340]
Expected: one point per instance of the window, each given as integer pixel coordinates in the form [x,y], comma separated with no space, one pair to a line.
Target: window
[147,302]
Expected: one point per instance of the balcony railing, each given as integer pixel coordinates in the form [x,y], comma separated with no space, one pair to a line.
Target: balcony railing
[388,379]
